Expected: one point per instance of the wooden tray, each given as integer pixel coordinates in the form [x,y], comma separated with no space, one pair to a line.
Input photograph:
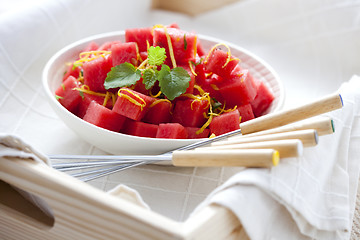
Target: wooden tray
[58,206]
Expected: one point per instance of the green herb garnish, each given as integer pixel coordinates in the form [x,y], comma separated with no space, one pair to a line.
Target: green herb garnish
[81,94]
[122,75]
[172,82]
[185,42]
[156,56]
[58,97]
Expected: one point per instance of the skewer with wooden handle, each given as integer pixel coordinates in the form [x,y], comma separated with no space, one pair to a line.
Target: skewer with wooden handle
[323,126]
[281,118]
[308,138]
[234,157]
[286,148]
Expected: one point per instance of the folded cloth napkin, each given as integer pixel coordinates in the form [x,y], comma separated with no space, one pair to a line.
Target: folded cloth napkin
[13,146]
[312,196]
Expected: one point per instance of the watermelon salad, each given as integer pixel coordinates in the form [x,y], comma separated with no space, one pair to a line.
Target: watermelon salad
[161,83]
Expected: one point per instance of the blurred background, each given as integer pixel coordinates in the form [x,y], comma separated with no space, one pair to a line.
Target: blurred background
[314,46]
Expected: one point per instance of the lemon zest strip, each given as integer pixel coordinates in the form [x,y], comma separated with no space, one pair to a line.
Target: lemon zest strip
[132,100]
[156,95]
[192,69]
[86,89]
[159,101]
[171,50]
[90,55]
[213,48]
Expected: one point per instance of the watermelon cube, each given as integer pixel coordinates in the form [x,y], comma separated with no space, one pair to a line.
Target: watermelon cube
[140,87]
[95,72]
[106,46]
[171,130]
[183,44]
[103,117]
[225,122]
[211,85]
[238,89]
[124,52]
[141,36]
[72,71]
[67,95]
[87,99]
[92,46]
[200,49]
[217,60]
[158,112]
[190,113]
[132,104]
[246,112]
[191,132]
[140,129]
[262,100]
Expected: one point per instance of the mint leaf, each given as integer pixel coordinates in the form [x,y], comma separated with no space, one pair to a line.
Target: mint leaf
[156,55]
[185,42]
[123,75]
[149,78]
[173,82]
[81,93]
[58,97]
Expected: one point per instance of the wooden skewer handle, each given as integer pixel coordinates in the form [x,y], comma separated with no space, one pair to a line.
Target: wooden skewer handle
[308,138]
[281,118]
[323,126]
[286,148]
[240,157]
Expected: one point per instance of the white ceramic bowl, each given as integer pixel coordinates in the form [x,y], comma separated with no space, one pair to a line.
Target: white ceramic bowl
[117,143]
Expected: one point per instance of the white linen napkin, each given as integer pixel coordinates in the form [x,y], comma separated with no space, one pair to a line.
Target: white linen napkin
[13,146]
[312,196]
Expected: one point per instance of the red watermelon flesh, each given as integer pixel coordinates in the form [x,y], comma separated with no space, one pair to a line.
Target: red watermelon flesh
[140,129]
[200,49]
[182,43]
[171,130]
[92,46]
[173,25]
[95,72]
[87,99]
[72,71]
[246,112]
[106,46]
[124,52]
[67,96]
[190,113]
[103,117]
[200,74]
[263,99]
[224,123]
[238,89]
[191,131]
[140,36]
[127,108]
[211,85]
[158,113]
[140,87]
[216,61]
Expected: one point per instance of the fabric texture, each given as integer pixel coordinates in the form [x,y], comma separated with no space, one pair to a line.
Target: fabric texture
[315,192]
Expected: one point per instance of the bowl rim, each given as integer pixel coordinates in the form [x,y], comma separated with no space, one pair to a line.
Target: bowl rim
[65,112]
